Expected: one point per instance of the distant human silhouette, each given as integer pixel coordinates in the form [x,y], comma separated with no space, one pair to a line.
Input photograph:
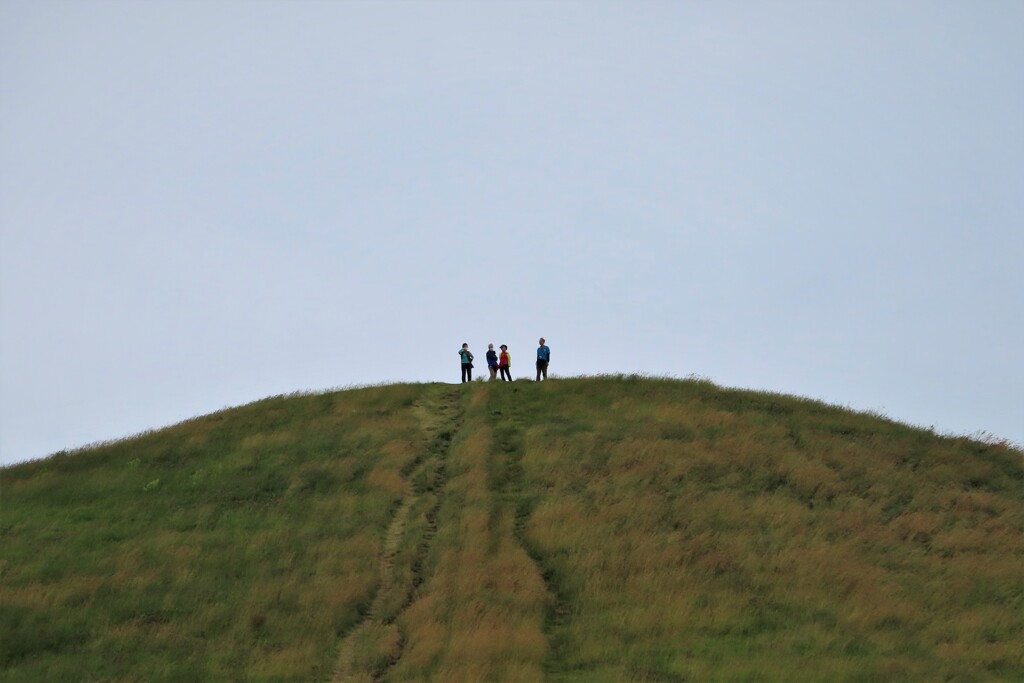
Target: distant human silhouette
[492,362]
[467,363]
[505,364]
[543,358]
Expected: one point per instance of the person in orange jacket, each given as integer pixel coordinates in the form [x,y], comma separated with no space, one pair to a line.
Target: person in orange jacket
[505,364]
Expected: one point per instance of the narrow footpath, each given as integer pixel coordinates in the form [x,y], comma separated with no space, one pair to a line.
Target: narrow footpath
[375,643]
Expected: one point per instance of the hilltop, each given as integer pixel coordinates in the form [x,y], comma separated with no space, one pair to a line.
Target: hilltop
[591,529]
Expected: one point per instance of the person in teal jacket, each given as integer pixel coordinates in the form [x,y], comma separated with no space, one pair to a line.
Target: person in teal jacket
[467,363]
[543,358]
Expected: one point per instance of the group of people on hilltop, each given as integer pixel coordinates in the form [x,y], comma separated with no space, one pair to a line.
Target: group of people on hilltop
[503,362]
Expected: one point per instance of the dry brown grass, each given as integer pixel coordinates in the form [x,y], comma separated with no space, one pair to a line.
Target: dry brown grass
[480,616]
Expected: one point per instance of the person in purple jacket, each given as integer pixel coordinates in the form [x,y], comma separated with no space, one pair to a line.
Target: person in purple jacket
[492,362]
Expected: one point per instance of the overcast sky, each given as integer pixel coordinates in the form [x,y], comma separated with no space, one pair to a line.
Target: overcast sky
[204,203]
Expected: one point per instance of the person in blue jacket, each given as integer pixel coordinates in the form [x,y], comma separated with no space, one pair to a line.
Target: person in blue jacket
[543,358]
[467,363]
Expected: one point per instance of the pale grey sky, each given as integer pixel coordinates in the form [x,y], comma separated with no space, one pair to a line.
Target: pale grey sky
[205,203]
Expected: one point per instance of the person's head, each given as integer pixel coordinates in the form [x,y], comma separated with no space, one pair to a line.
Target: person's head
[490,346]
[504,348]
[541,341]
[465,346]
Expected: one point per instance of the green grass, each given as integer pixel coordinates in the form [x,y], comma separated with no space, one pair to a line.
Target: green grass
[239,545]
[592,529]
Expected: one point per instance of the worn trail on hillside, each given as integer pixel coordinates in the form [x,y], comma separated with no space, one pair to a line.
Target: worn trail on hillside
[509,440]
[375,644]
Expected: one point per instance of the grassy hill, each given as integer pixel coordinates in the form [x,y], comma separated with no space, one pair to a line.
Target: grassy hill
[598,529]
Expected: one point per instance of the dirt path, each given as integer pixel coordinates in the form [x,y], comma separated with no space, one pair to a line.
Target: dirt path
[375,644]
[509,443]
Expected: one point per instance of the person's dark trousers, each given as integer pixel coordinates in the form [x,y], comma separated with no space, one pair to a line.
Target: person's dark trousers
[505,373]
[542,369]
[467,373]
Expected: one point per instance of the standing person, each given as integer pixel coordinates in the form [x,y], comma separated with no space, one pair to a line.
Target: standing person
[505,364]
[467,363]
[492,362]
[543,358]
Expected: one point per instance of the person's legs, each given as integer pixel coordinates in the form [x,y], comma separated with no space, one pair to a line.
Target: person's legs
[466,372]
[505,373]
[494,372]
[542,369]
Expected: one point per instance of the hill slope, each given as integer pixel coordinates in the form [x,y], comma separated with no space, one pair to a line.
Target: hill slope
[602,529]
